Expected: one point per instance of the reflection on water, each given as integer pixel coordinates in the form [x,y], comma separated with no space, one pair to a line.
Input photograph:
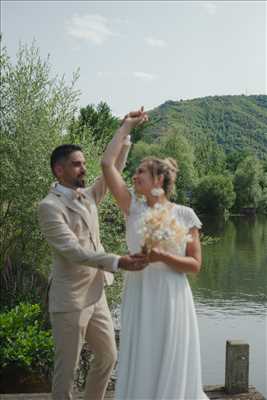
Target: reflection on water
[231,295]
[235,306]
[236,265]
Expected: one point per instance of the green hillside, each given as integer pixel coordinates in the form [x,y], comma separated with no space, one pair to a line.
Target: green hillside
[235,122]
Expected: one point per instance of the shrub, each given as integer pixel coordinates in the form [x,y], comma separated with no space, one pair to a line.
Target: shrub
[21,284]
[24,344]
[214,194]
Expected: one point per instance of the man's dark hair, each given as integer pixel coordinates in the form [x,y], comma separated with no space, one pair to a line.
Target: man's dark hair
[62,152]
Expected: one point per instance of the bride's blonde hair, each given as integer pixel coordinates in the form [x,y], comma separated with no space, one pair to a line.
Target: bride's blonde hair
[167,167]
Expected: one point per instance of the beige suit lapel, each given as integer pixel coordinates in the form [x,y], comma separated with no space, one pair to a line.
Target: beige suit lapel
[69,203]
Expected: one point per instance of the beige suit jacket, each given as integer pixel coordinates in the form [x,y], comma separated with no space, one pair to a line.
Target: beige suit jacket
[79,260]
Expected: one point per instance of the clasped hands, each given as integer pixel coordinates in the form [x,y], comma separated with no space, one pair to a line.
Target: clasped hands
[138,261]
[135,118]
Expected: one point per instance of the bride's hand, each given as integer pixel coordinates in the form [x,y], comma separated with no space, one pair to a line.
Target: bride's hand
[135,118]
[155,255]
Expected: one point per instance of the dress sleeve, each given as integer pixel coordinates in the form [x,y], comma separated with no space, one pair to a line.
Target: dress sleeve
[188,217]
[192,219]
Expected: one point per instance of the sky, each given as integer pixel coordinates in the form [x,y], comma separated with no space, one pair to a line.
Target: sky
[133,53]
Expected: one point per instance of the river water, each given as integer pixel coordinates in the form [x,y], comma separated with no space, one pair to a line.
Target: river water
[230,295]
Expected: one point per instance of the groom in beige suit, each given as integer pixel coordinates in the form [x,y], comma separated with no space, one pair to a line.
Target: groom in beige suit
[77,303]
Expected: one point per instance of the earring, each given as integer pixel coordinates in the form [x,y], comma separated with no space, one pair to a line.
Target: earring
[157,192]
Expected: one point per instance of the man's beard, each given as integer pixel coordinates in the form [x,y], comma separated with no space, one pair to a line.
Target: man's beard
[80,183]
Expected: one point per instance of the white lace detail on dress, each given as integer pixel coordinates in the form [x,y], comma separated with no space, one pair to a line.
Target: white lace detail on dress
[188,216]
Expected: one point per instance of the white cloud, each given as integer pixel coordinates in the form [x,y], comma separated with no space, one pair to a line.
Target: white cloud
[90,27]
[122,21]
[145,76]
[209,6]
[155,42]
[103,74]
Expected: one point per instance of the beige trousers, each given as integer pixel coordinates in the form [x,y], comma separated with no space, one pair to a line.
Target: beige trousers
[70,330]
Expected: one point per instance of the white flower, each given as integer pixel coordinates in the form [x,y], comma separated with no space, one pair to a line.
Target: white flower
[157,192]
[158,228]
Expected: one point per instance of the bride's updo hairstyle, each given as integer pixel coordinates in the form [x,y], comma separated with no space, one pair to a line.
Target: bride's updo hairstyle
[166,167]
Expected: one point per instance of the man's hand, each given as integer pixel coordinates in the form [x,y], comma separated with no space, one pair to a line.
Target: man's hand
[134,118]
[135,262]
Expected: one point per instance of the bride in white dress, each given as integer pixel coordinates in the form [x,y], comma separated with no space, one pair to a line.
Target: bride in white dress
[159,355]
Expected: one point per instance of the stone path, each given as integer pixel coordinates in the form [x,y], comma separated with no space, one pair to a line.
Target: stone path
[214,392]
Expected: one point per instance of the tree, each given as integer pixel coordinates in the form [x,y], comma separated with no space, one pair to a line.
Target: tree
[141,150]
[214,194]
[235,157]
[209,157]
[175,146]
[262,205]
[35,113]
[247,183]
[96,122]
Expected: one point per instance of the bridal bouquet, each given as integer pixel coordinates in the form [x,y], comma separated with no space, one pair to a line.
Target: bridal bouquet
[160,229]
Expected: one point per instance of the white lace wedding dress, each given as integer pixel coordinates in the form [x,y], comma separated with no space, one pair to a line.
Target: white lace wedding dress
[159,356]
